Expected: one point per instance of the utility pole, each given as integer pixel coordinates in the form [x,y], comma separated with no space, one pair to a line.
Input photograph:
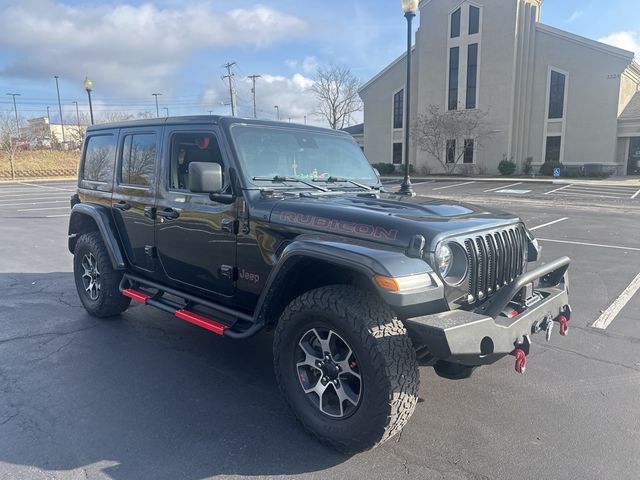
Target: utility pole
[157,109]
[253,91]
[49,119]
[78,119]
[60,110]
[232,94]
[15,109]
[166,110]
[305,119]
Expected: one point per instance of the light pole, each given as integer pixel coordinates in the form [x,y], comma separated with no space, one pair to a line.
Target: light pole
[157,109]
[78,119]
[60,108]
[88,86]
[277,111]
[15,109]
[409,7]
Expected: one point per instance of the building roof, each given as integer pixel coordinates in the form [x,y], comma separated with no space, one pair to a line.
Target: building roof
[355,129]
[633,108]
[584,41]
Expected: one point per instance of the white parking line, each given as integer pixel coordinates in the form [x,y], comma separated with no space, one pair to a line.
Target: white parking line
[35,194]
[550,223]
[635,194]
[456,185]
[614,309]
[45,186]
[46,208]
[632,249]
[422,183]
[500,188]
[32,196]
[567,193]
[56,216]
[31,199]
[31,203]
[557,189]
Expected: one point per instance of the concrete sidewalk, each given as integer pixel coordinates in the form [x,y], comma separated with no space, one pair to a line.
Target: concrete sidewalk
[614,181]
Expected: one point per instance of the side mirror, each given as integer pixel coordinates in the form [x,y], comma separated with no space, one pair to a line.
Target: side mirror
[205,177]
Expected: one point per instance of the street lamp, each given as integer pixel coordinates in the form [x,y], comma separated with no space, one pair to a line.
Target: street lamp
[157,109]
[88,86]
[277,111]
[409,7]
[15,109]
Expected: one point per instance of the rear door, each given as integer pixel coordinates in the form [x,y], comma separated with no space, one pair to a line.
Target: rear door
[134,193]
[196,236]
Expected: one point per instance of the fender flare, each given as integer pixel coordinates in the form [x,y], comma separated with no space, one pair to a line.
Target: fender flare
[102,219]
[368,260]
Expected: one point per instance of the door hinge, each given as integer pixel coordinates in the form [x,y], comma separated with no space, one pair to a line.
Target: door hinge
[150,212]
[228,272]
[230,225]
[150,251]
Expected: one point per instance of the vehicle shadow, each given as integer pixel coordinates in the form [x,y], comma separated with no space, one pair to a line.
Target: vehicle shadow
[142,395]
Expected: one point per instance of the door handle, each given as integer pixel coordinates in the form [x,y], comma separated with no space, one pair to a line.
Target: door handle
[168,213]
[122,206]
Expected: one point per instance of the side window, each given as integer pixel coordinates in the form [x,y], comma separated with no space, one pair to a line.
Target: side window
[189,147]
[99,159]
[138,162]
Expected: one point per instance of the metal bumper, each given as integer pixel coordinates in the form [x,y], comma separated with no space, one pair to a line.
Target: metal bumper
[485,335]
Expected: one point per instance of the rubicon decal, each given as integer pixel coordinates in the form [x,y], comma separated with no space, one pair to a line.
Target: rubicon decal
[340,226]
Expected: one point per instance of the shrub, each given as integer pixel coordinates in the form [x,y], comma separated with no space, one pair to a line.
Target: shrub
[546,169]
[528,167]
[385,168]
[507,167]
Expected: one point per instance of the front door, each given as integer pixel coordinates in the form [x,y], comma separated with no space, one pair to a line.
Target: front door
[196,237]
[633,167]
[134,193]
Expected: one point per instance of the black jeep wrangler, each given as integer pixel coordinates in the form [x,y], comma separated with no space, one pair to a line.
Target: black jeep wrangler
[239,226]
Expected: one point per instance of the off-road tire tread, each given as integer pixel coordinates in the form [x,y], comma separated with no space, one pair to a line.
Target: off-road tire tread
[386,339]
[111,302]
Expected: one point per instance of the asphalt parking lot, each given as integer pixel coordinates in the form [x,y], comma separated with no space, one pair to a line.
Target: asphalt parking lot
[148,396]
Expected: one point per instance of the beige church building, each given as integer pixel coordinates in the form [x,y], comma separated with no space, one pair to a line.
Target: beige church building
[548,95]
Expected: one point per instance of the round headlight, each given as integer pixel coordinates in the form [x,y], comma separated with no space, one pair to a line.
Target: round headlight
[451,262]
[444,259]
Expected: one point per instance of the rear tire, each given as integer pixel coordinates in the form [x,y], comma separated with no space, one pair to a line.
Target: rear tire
[98,284]
[372,354]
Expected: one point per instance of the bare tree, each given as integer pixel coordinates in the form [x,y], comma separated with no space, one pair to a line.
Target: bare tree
[446,135]
[9,140]
[336,89]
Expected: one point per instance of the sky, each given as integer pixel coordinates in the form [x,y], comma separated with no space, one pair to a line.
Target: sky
[131,49]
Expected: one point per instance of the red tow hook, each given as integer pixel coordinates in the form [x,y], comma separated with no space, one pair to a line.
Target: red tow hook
[521,360]
[564,325]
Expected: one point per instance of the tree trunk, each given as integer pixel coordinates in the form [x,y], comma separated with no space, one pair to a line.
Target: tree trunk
[11,164]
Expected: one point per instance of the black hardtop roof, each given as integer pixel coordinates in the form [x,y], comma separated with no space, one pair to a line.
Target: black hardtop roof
[200,119]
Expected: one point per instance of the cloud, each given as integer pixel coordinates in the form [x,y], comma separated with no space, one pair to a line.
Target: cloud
[310,64]
[575,15]
[625,40]
[129,49]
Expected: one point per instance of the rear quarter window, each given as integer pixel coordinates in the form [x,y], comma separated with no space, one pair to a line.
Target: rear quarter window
[99,158]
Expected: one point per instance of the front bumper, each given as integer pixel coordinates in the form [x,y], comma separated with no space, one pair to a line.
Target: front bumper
[485,335]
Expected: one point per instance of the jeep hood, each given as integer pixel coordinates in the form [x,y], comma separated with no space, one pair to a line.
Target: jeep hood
[387,218]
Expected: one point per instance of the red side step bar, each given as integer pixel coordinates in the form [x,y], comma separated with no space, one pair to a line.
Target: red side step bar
[182,314]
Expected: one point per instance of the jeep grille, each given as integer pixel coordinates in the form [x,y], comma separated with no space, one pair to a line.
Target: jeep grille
[495,259]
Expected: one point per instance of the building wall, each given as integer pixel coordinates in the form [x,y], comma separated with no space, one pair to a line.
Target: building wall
[589,129]
[515,55]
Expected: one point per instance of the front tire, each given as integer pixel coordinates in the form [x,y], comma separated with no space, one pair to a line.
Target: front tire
[98,284]
[346,366]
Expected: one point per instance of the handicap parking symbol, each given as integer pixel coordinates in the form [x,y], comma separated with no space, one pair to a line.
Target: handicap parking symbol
[556,172]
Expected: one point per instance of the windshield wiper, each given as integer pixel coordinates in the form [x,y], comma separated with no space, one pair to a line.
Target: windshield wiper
[279,179]
[345,180]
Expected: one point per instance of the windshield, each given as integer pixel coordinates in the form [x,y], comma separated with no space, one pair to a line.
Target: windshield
[269,152]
